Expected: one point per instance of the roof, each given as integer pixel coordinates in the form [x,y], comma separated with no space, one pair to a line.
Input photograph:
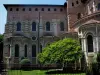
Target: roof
[91,21]
[6,5]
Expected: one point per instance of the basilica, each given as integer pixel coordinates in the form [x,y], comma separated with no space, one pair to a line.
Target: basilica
[30,27]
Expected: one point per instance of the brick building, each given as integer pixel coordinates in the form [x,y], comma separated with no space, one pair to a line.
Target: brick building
[76,19]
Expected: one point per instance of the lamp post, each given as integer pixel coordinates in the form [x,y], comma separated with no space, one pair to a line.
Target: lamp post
[39,34]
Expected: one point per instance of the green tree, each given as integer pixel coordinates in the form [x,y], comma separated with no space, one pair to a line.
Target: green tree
[1,37]
[62,51]
[1,46]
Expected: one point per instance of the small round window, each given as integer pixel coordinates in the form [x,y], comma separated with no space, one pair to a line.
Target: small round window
[33,38]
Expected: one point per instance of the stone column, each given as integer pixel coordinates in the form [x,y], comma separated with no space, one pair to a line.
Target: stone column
[11,55]
[5,51]
[55,27]
[98,43]
[85,49]
[10,50]
[8,63]
[29,50]
[43,42]
[21,51]
[41,26]
[94,8]
[89,12]
[82,44]
[95,45]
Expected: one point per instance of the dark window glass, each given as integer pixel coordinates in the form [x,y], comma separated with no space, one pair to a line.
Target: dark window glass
[25,50]
[83,1]
[10,9]
[42,9]
[33,26]
[17,9]
[23,9]
[30,9]
[61,9]
[99,6]
[79,15]
[72,4]
[48,26]
[36,9]
[55,9]
[91,9]
[33,50]
[48,9]
[61,26]
[8,50]
[76,2]
[90,43]
[40,48]
[18,26]
[16,50]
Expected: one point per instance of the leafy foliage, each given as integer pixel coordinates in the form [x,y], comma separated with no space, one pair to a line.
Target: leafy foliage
[96,64]
[66,50]
[1,47]
[25,64]
[1,37]
[98,57]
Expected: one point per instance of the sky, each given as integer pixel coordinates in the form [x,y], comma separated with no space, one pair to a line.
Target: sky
[3,12]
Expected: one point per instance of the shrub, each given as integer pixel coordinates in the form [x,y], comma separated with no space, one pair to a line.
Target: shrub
[98,60]
[98,57]
[95,68]
[96,64]
[89,71]
[25,64]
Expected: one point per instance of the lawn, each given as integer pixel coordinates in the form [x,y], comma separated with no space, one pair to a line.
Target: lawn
[35,72]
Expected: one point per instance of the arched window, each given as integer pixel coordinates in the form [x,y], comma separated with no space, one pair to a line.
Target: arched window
[61,26]
[25,50]
[36,9]
[33,50]
[47,26]
[16,50]
[90,43]
[18,26]
[78,15]
[33,26]
[72,4]
[77,2]
[99,6]
[40,48]
[48,9]
[8,50]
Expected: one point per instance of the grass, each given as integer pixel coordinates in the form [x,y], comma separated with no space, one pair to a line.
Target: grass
[35,72]
[21,72]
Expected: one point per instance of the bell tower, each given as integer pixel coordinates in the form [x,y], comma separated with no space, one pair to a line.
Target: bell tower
[75,9]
